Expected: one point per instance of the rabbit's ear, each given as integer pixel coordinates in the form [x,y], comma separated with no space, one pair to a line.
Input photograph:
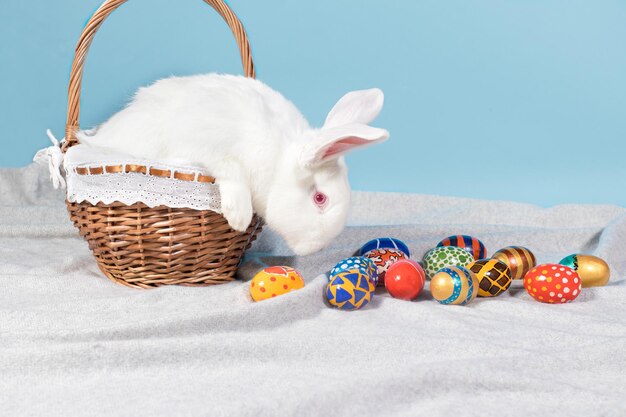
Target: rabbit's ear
[360,106]
[334,142]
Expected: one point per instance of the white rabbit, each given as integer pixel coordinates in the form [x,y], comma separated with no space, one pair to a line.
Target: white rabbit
[261,150]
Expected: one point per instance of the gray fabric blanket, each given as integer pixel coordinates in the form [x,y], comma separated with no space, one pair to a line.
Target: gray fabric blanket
[74,343]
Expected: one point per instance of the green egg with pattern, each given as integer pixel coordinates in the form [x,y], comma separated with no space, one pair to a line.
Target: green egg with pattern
[445,256]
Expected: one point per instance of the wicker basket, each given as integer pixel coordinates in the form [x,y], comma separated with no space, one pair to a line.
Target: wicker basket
[144,247]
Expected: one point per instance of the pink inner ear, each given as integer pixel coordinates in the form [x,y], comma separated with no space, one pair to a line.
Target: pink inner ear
[343,146]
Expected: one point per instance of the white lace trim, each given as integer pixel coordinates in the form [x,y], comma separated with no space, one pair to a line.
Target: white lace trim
[126,187]
[133,187]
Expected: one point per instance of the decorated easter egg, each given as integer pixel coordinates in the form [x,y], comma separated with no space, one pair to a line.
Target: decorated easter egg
[593,271]
[519,260]
[405,279]
[383,259]
[274,281]
[385,243]
[443,256]
[454,285]
[553,283]
[366,265]
[349,290]
[469,243]
[494,276]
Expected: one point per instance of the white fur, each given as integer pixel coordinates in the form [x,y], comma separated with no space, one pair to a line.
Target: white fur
[264,154]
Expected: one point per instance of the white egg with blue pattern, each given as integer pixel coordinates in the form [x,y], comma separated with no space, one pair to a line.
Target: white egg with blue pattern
[363,264]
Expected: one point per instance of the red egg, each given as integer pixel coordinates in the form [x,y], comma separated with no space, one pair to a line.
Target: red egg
[405,279]
[553,283]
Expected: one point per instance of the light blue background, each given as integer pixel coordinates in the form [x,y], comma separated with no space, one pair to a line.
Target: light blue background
[512,100]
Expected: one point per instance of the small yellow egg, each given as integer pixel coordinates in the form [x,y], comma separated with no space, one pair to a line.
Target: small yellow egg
[274,281]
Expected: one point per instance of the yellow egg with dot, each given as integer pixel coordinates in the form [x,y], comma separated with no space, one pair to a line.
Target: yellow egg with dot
[274,281]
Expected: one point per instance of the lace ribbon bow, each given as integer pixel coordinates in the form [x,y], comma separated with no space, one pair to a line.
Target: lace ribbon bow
[53,157]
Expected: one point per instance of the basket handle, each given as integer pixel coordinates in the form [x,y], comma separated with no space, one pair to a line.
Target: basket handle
[76,76]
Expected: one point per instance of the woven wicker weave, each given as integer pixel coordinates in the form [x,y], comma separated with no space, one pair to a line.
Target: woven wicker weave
[145,247]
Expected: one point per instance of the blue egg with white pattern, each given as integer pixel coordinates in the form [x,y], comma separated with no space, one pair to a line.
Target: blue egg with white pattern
[364,265]
[385,243]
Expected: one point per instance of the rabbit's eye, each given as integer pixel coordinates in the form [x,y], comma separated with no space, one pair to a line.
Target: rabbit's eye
[320,199]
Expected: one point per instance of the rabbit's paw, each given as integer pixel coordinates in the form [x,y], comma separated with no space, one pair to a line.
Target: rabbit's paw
[236,206]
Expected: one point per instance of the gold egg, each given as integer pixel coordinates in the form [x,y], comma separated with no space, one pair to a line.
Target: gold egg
[454,285]
[593,271]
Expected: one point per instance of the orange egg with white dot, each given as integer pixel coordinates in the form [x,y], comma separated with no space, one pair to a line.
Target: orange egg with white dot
[274,281]
[553,283]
